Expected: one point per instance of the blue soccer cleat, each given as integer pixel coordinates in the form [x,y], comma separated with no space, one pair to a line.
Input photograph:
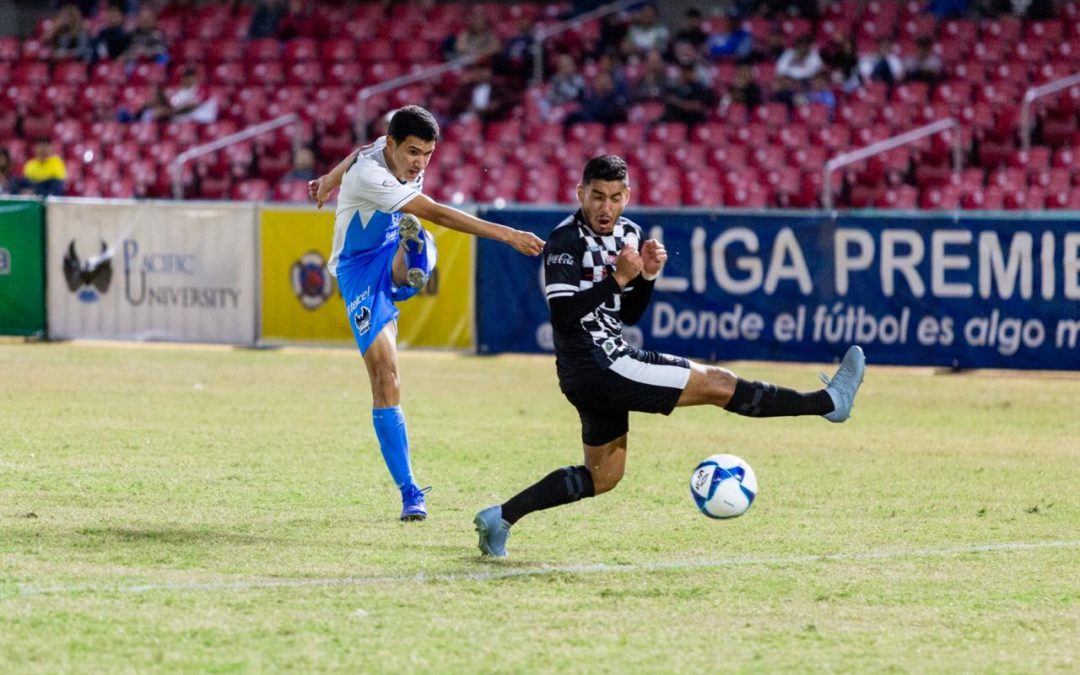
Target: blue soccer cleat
[845,384]
[419,250]
[413,506]
[493,531]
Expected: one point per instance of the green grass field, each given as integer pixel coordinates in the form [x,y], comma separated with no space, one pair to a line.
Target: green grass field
[205,509]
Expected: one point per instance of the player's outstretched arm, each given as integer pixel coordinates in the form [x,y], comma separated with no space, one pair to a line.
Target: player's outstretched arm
[320,188]
[424,207]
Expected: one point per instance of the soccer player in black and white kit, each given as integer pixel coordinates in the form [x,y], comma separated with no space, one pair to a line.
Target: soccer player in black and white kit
[599,275]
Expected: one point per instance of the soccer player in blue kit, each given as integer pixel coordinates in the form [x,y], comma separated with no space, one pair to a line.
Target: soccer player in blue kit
[598,275]
[382,255]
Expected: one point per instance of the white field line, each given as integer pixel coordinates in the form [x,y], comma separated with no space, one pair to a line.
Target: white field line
[496,573]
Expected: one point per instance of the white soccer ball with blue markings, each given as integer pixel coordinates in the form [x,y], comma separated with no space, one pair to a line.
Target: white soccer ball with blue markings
[723,486]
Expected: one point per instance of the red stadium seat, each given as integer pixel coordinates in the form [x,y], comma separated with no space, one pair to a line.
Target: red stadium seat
[291,191]
[214,187]
[1064,199]
[904,197]
[300,49]
[253,190]
[34,73]
[221,51]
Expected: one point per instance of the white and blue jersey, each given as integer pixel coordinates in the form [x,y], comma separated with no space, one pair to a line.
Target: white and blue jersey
[366,239]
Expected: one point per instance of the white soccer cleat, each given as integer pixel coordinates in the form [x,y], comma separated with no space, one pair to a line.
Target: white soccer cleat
[845,384]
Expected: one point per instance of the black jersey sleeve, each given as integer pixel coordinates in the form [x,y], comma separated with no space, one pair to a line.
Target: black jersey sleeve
[563,256]
[635,299]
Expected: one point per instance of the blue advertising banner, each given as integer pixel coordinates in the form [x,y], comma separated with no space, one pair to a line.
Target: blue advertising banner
[967,291]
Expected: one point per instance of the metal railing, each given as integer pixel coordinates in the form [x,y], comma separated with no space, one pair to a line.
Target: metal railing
[1038,92]
[886,145]
[177,165]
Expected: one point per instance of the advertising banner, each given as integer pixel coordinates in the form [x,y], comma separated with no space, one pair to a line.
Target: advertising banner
[22,276]
[301,300]
[177,271]
[966,292]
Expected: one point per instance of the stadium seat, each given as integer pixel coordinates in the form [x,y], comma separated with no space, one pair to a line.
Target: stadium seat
[253,190]
[300,49]
[33,73]
[587,133]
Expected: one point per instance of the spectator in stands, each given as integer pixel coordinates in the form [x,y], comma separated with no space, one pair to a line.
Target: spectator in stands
[602,102]
[1035,10]
[795,69]
[147,40]
[478,96]
[157,108]
[86,8]
[514,62]
[684,54]
[687,99]
[44,173]
[653,82]
[743,90]
[820,91]
[302,20]
[191,102]
[924,65]
[692,31]
[781,9]
[113,39]
[882,65]
[476,40]
[266,19]
[733,43]
[843,63]
[949,9]
[567,84]
[8,180]
[68,37]
[801,62]
[610,63]
[646,32]
[303,166]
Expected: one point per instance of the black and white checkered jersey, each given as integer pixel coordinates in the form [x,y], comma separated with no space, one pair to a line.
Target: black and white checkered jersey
[588,309]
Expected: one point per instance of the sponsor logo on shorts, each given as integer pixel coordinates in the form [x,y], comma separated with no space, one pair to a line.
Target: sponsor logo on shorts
[363,320]
[360,298]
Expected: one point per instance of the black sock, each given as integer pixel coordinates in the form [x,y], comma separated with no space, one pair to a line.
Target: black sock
[761,399]
[562,486]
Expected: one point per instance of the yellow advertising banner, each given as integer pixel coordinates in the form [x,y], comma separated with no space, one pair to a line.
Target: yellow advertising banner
[301,300]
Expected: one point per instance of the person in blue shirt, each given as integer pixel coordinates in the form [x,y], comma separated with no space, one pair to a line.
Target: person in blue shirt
[382,255]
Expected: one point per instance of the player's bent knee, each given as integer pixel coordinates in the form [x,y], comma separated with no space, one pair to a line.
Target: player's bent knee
[721,385]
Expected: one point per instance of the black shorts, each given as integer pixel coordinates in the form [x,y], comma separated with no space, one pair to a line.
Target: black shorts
[641,381]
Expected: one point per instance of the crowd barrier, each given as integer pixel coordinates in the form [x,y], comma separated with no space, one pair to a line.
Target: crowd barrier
[955,290]
[301,301]
[22,272]
[960,291]
[232,273]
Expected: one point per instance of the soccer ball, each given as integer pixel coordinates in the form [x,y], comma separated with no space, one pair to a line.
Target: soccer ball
[723,486]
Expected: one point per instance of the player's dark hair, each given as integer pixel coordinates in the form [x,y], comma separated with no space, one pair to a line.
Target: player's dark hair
[604,167]
[412,120]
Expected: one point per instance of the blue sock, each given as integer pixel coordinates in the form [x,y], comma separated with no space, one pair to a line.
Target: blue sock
[394,443]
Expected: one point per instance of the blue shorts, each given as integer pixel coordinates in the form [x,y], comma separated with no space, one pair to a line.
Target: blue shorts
[367,285]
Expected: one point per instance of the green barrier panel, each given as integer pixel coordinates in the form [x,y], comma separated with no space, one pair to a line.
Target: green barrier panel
[22,272]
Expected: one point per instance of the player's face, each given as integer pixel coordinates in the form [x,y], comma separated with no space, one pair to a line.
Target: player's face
[602,202]
[409,157]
